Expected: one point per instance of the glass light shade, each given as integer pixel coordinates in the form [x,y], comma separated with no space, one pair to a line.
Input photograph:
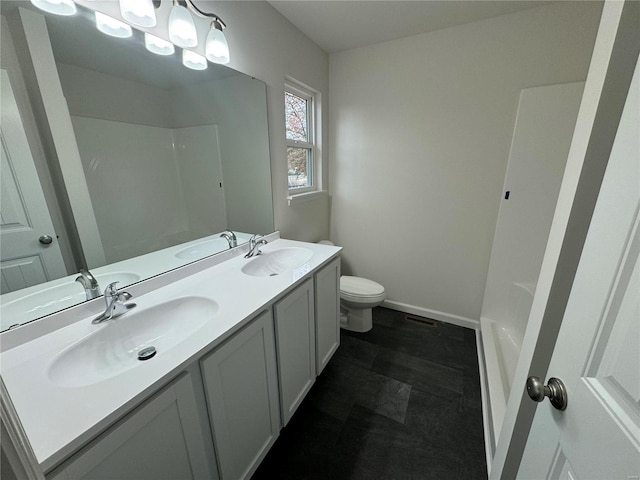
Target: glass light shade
[182,30]
[111,26]
[193,60]
[138,12]
[59,7]
[216,47]
[157,45]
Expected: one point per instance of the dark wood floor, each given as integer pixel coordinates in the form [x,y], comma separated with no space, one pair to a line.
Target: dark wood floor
[399,402]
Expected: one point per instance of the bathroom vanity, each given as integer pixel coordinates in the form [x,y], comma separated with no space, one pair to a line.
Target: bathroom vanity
[239,344]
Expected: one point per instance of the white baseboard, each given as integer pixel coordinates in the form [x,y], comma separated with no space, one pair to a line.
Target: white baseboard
[487,421]
[433,314]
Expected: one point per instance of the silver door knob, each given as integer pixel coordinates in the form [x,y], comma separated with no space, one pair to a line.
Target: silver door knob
[45,239]
[555,390]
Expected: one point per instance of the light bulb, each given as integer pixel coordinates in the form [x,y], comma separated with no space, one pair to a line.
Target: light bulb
[158,45]
[193,60]
[216,47]
[111,26]
[59,7]
[138,12]
[182,30]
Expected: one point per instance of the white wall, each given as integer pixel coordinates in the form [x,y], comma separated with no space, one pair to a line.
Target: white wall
[420,130]
[266,46]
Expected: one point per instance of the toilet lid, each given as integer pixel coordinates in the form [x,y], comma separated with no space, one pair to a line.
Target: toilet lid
[360,287]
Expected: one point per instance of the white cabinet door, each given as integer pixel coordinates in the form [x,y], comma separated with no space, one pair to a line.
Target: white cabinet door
[161,439]
[296,346]
[241,386]
[327,289]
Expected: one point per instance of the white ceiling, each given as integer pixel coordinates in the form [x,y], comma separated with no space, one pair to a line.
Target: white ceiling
[337,25]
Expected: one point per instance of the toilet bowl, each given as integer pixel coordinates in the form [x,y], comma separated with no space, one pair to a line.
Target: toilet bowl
[358,296]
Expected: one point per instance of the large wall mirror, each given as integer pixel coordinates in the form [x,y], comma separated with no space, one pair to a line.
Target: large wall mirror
[117,160]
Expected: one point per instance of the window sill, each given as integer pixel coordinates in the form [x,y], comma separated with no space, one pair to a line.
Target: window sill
[305,197]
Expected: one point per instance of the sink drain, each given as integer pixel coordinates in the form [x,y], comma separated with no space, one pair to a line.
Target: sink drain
[146,353]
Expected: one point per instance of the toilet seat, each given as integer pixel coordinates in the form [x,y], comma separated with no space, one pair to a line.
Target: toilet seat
[360,290]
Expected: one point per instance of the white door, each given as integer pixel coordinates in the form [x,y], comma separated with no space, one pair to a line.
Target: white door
[24,216]
[597,353]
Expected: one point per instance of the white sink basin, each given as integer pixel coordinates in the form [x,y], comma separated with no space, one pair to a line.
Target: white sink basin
[275,262]
[203,249]
[113,348]
[49,300]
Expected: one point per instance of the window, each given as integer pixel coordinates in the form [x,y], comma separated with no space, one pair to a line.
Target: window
[300,132]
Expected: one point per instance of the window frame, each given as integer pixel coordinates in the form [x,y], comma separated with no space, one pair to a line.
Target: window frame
[311,96]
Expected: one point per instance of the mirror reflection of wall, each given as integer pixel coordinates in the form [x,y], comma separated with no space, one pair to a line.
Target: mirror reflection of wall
[163,155]
[175,170]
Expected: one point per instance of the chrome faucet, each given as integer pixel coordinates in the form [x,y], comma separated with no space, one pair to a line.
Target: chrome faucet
[90,284]
[255,242]
[230,237]
[114,300]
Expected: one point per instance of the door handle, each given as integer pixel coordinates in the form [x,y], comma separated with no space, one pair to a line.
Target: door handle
[555,390]
[45,239]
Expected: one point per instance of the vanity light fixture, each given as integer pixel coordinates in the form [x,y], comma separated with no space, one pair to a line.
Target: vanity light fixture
[58,7]
[111,26]
[193,60]
[182,29]
[158,45]
[216,46]
[138,12]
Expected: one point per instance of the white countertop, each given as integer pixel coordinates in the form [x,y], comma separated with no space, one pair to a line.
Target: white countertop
[58,420]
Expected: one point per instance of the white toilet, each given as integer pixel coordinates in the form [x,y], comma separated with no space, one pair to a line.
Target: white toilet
[358,296]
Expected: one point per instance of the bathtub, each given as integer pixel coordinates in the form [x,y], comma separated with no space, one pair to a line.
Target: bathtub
[501,343]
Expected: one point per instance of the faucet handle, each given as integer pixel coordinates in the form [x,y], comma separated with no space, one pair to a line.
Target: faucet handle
[254,245]
[112,292]
[114,298]
[111,289]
